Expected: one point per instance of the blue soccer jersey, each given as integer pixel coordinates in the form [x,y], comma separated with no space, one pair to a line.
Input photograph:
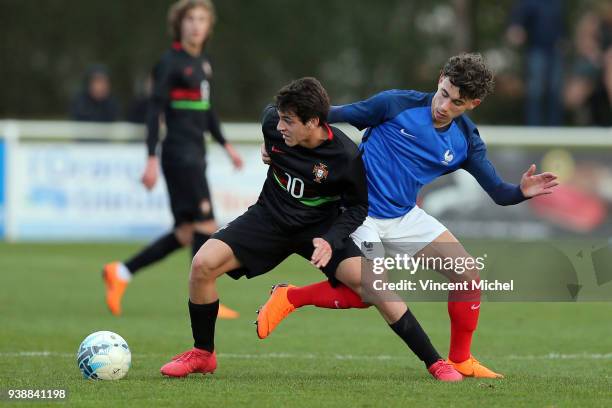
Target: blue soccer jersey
[402,151]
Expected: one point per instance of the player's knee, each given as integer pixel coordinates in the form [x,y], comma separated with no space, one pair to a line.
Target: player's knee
[202,268]
[466,271]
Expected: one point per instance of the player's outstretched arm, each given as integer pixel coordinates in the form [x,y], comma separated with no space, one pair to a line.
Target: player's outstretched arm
[504,193]
[533,185]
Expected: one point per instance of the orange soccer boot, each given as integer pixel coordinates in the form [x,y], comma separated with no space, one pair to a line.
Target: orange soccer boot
[115,287]
[274,310]
[472,368]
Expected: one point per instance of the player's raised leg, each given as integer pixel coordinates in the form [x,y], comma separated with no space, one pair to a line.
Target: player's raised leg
[212,260]
[463,305]
[285,298]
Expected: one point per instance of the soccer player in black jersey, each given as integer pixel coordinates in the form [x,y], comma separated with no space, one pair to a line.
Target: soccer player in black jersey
[181,93]
[314,170]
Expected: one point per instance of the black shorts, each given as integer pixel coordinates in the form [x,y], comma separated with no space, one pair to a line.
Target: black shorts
[188,191]
[260,244]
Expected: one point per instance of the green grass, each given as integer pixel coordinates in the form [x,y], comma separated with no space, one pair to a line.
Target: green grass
[51,297]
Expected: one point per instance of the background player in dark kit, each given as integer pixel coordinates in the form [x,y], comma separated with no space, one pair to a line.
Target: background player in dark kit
[313,169]
[182,94]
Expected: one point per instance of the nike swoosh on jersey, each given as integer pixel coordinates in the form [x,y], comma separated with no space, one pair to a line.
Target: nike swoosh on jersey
[403,132]
[277,150]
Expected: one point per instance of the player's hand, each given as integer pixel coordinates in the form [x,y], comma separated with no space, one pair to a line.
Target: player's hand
[151,171]
[265,157]
[234,156]
[533,185]
[322,253]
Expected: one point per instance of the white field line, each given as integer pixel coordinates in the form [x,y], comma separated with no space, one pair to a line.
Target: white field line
[312,356]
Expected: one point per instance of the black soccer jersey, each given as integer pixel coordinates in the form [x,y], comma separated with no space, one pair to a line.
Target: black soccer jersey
[306,186]
[181,90]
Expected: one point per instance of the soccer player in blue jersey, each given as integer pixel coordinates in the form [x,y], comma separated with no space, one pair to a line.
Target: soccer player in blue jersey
[411,139]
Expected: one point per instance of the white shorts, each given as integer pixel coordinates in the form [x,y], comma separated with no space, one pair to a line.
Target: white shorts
[407,234]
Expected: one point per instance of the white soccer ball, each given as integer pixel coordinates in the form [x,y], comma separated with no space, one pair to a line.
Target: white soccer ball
[104,355]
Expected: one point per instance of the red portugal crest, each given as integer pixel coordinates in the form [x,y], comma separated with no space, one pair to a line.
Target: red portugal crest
[320,172]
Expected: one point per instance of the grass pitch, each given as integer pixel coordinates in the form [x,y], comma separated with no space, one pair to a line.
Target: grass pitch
[51,297]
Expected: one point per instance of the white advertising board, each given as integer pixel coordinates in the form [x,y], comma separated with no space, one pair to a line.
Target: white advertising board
[73,191]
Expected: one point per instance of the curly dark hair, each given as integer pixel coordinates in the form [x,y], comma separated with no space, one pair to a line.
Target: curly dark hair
[469,73]
[305,97]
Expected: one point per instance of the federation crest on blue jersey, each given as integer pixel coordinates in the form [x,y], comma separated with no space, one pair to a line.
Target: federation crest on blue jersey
[448,157]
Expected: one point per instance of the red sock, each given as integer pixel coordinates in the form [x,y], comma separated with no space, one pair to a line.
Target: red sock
[322,294]
[463,309]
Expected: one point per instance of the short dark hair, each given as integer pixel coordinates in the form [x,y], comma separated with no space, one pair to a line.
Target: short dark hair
[305,97]
[469,73]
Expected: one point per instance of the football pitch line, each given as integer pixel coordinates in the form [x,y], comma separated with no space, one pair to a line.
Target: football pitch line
[312,356]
